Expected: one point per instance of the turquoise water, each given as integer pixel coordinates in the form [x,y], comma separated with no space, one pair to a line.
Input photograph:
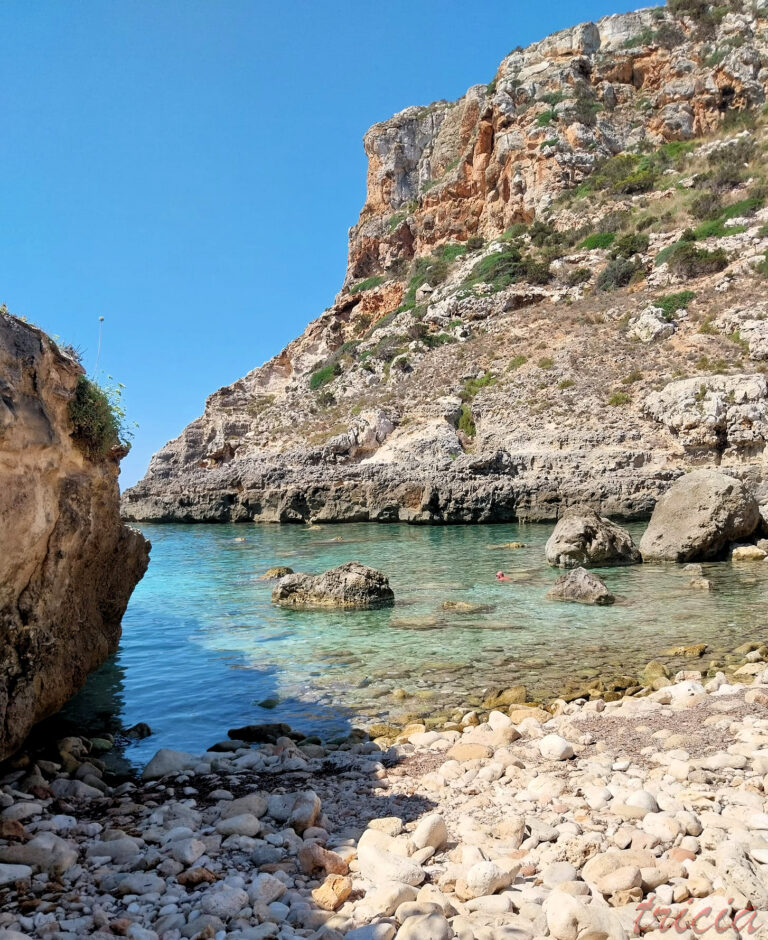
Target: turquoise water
[202,644]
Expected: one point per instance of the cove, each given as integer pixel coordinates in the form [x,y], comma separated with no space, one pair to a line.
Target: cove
[203,645]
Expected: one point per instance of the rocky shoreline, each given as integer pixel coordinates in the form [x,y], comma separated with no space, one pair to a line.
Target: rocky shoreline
[498,488]
[580,821]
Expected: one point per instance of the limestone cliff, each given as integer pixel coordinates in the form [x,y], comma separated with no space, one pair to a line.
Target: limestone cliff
[68,564]
[555,293]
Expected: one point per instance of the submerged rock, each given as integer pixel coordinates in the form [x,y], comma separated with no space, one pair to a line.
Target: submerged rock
[503,698]
[583,538]
[279,571]
[351,586]
[464,607]
[698,517]
[582,587]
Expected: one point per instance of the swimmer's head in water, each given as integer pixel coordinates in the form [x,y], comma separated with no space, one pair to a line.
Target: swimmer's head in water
[499,574]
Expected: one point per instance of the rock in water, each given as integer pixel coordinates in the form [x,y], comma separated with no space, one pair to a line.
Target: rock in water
[581,587]
[698,517]
[582,538]
[68,563]
[352,586]
[279,571]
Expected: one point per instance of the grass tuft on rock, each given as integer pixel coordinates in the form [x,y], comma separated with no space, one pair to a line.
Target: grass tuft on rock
[671,303]
[324,375]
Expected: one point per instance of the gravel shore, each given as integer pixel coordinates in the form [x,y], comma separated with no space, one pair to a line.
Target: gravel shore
[602,820]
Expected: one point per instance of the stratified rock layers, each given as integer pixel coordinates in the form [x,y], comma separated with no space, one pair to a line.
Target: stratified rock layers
[443,401]
[68,564]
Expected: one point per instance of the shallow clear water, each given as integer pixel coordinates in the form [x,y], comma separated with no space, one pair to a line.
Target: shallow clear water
[202,644]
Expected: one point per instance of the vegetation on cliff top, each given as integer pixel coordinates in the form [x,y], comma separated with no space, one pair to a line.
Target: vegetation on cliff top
[98,419]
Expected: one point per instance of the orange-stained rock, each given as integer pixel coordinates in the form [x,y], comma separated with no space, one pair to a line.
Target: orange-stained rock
[333,892]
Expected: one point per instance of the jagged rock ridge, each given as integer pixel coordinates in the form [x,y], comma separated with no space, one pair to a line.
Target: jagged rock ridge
[442,386]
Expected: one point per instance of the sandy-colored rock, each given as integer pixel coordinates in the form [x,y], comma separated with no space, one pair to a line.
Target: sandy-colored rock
[583,538]
[69,564]
[279,571]
[333,892]
[698,517]
[748,553]
[466,751]
[582,587]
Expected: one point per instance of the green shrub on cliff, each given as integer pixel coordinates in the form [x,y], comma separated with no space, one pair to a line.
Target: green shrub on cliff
[368,284]
[705,14]
[671,303]
[626,174]
[506,267]
[618,273]
[633,243]
[98,418]
[324,375]
[598,240]
[466,421]
[686,260]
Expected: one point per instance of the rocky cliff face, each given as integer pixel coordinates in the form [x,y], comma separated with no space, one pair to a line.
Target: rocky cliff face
[68,564]
[555,294]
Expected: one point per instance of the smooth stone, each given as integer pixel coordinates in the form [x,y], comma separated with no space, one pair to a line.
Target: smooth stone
[555,747]
[9,874]
[431,831]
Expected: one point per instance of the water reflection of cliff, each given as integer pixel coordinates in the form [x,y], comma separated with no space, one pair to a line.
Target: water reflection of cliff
[97,707]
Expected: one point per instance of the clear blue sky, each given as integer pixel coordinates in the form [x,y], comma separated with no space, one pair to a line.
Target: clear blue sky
[188,169]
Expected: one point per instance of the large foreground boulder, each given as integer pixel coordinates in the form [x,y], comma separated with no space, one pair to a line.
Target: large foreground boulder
[583,538]
[581,587]
[698,517]
[68,564]
[352,586]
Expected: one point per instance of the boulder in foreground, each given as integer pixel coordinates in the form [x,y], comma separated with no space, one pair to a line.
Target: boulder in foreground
[68,564]
[583,538]
[581,587]
[351,586]
[698,517]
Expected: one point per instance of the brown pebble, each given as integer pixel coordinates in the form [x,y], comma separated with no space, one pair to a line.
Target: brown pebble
[313,856]
[680,855]
[196,876]
[13,830]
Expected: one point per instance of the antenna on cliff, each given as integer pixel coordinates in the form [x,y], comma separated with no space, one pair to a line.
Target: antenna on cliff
[98,348]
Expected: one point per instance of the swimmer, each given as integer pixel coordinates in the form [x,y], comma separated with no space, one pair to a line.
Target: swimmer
[500,576]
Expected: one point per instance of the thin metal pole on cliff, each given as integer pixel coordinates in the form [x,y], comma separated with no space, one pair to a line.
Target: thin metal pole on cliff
[98,348]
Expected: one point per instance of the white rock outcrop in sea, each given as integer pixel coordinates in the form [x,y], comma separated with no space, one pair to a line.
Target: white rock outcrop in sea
[351,586]
[699,517]
[582,587]
[583,538]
